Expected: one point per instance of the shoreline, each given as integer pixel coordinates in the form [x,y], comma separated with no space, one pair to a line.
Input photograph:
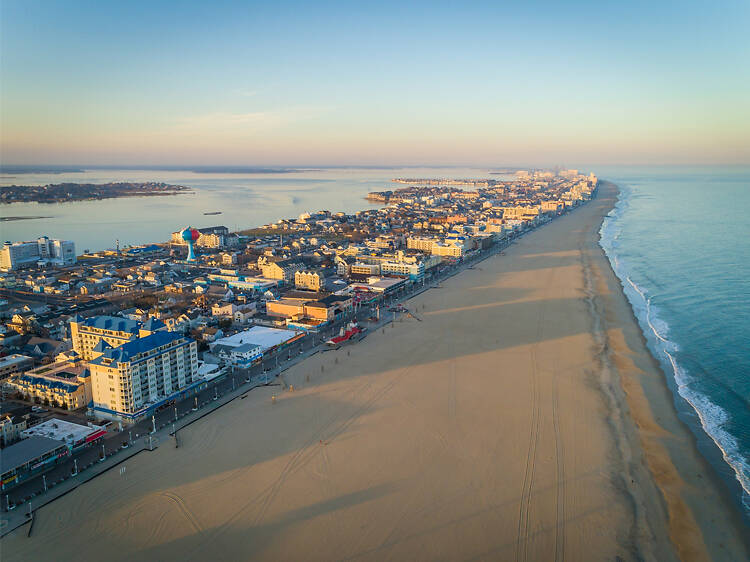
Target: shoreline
[702,516]
[708,444]
[88,199]
[522,416]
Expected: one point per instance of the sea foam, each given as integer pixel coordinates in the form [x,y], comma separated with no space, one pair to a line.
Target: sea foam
[712,416]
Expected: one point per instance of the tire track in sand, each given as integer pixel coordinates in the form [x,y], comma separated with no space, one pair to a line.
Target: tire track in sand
[189,515]
[524,512]
[560,476]
[306,452]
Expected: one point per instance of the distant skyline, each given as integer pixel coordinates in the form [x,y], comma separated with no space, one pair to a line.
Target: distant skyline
[267,84]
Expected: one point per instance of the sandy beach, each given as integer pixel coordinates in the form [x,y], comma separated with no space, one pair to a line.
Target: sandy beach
[520,418]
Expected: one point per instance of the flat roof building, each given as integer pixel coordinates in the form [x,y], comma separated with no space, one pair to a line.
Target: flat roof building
[14,364]
[30,456]
[43,251]
[262,336]
[72,434]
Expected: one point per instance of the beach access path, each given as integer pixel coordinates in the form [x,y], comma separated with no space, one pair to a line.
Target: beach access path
[508,423]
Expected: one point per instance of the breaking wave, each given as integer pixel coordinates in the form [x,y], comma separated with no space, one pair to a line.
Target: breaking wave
[712,416]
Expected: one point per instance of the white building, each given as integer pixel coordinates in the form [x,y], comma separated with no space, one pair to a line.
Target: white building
[91,336]
[128,381]
[266,338]
[44,251]
[73,434]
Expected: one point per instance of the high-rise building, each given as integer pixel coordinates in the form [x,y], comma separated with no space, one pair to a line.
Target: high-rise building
[130,380]
[44,251]
[92,336]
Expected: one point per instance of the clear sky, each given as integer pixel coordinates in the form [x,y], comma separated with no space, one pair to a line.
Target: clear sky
[315,83]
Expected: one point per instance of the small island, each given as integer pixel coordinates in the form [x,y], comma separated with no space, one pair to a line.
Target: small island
[65,192]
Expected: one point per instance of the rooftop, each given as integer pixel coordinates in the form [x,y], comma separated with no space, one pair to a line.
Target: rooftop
[61,430]
[27,450]
[127,351]
[113,323]
[13,359]
[259,335]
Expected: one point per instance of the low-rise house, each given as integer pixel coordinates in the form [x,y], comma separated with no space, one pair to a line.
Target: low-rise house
[15,363]
[11,426]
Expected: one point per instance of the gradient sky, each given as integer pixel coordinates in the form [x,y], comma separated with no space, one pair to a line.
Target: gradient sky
[317,83]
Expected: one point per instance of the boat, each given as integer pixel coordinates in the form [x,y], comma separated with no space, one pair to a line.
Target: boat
[213,213]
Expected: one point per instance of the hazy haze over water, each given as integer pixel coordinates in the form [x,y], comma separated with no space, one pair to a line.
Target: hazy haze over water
[245,200]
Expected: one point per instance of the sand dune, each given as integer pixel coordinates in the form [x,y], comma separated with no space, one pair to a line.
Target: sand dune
[496,428]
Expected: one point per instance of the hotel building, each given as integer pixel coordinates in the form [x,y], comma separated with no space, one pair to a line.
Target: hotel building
[43,251]
[65,384]
[130,380]
[112,330]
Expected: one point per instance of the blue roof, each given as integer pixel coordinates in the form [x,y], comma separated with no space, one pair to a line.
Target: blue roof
[54,385]
[102,346]
[127,351]
[143,249]
[114,323]
[152,325]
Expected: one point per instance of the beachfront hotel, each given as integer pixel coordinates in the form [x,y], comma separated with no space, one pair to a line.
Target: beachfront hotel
[88,334]
[129,380]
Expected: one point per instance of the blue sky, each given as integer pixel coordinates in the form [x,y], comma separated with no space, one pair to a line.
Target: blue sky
[401,83]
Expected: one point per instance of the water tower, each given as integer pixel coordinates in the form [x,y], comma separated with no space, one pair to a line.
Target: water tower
[190,235]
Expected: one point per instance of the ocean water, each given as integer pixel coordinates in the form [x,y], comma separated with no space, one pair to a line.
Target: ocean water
[679,240]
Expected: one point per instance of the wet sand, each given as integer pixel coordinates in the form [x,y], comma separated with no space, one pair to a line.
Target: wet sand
[522,418]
